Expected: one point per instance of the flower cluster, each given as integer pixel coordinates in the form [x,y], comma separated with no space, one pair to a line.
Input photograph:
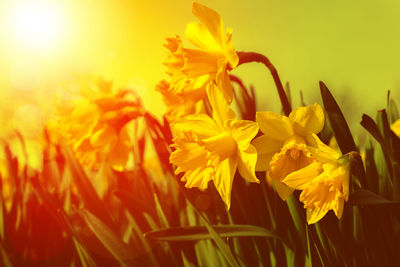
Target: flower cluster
[94,121]
[211,147]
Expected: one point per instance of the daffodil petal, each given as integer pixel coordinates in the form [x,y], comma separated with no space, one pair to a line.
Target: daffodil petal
[314,215]
[247,163]
[308,119]
[224,82]
[201,124]
[119,155]
[319,150]
[201,37]
[396,127]
[300,179]
[223,180]
[338,208]
[211,20]
[221,110]
[243,131]
[266,149]
[274,126]
[103,136]
[283,190]
[232,56]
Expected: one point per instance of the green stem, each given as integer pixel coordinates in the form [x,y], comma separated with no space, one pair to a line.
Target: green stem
[247,57]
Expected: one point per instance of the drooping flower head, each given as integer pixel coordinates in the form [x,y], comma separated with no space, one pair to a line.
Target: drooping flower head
[325,183]
[93,120]
[284,146]
[191,70]
[177,105]
[211,149]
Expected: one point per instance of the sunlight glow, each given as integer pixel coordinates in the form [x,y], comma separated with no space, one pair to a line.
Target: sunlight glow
[36,24]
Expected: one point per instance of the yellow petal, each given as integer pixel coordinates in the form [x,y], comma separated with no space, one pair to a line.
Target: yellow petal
[243,131]
[201,124]
[211,20]
[231,55]
[221,110]
[343,174]
[104,136]
[266,149]
[247,163]
[223,180]
[301,178]
[224,82]
[319,150]
[283,190]
[201,37]
[396,127]
[308,119]
[119,155]
[222,144]
[274,126]
[338,208]
[314,215]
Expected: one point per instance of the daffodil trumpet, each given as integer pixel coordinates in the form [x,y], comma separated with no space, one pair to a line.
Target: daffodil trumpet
[324,183]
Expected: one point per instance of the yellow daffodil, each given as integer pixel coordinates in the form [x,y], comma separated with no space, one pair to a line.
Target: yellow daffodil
[94,122]
[284,146]
[192,70]
[325,183]
[213,148]
[396,127]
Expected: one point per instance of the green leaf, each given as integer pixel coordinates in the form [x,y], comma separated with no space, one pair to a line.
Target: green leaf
[337,121]
[195,233]
[364,197]
[221,244]
[86,190]
[369,124]
[107,237]
[84,256]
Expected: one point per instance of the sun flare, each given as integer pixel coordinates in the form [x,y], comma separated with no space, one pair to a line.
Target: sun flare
[36,23]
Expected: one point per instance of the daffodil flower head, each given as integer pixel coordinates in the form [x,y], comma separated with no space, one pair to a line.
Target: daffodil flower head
[94,123]
[213,148]
[178,105]
[194,69]
[284,147]
[325,186]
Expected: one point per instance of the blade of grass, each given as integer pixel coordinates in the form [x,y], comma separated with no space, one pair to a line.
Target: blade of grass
[194,233]
[365,197]
[337,121]
[87,192]
[107,237]
[84,256]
